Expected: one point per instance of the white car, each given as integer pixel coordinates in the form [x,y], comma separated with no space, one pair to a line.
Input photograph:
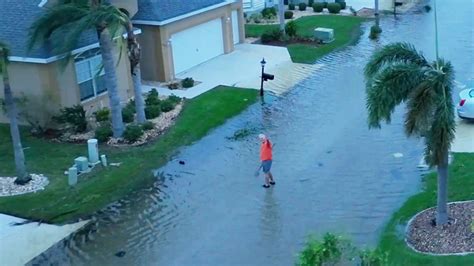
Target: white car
[465,107]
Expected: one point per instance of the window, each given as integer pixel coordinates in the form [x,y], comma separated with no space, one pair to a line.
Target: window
[91,82]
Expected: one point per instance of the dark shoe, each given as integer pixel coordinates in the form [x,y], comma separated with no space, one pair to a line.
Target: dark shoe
[272,183]
[265,186]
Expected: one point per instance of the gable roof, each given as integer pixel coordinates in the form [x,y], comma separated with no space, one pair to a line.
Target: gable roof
[16,17]
[162,10]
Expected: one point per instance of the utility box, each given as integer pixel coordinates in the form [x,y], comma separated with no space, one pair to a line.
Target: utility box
[81,164]
[325,35]
[93,150]
[72,176]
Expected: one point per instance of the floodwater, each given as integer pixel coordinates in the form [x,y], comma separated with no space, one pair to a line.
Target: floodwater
[332,173]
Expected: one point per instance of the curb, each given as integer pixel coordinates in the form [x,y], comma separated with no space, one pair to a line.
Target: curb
[430,253]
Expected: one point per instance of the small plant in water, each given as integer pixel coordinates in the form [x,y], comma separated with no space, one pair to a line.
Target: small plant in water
[242,133]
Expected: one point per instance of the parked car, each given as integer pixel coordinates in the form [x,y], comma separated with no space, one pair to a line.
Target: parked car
[465,107]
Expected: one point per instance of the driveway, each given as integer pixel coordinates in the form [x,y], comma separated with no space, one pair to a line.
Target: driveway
[464,141]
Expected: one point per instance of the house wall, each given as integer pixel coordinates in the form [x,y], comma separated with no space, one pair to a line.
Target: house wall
[251,6]
[49,87]
[157,60]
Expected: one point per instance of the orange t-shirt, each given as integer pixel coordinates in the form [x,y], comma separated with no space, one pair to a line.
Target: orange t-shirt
[266,151]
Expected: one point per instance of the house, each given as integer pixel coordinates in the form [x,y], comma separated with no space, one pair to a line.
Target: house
[40,77]
[253,6]
[178,35]
[174,35]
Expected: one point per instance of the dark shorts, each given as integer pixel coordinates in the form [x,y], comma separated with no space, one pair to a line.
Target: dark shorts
[266,165]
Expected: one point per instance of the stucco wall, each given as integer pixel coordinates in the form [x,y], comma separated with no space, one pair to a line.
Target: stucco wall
[157,61]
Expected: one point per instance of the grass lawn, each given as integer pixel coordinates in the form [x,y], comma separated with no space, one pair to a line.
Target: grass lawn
[60,203]
[346,31]
[461,187]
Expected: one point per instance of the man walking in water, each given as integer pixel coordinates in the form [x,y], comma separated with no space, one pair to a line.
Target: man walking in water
[266,160]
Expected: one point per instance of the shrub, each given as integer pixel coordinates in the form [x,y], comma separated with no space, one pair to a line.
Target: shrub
[128,115]
[187,82]
[302,6]
[342,3]
[257,18]
[74,116]
[291,7]
[310,2]
[131,105]
[152,111]
[103,133]
[334,8]
[354,12]
[375,32]
[285,2]
[373,257]
[148,125]
[325,4]
[271,35]
[318,7]
[132,133]
[173,86]
[174,99]
[288,15]
[167,106]
[102,115]
[269,12]
[152,98]
[291,28]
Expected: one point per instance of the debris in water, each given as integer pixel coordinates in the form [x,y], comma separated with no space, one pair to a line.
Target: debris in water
[398,155]
[328,152]
[320,164]
[120,254]
[182,162]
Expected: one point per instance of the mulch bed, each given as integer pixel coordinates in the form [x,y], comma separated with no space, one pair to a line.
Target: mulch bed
[456,237]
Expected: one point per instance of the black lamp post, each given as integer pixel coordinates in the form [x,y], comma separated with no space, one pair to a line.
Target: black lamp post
[263,71]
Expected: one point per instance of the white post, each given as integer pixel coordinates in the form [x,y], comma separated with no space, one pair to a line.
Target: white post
[93,150]
[72,176]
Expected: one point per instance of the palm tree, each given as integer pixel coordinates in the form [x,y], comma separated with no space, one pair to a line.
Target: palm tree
[62,27]
[134,53]
[376,13]
[22,175]
[399,74]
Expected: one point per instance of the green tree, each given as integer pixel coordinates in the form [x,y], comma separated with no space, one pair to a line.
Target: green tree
[62,26]
[22,175]
[397,74]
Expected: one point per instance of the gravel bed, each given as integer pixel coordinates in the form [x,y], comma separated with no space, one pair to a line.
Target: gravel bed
[9,188]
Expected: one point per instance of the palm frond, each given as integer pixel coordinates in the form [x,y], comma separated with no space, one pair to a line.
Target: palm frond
[389,88]
[393,53]
[54,19]
[420,109]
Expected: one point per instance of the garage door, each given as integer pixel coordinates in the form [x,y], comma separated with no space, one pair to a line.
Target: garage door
[235,27]
[196,45]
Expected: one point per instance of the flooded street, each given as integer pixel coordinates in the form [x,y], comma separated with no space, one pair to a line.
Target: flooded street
[332,173]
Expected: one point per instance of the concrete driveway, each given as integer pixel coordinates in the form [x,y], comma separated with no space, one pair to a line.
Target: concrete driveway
[242,68]
[464,141]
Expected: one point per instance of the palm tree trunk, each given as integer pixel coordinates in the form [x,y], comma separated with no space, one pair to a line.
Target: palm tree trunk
[106,48]
[22,175]
[442,204]
[376,13]
[281,15]
[134,53]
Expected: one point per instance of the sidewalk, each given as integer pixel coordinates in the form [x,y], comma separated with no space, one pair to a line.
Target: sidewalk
[464,141]
[20,244]
[242,68]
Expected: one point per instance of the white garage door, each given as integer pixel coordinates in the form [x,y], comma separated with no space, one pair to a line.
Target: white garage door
[196,45]
[235,27]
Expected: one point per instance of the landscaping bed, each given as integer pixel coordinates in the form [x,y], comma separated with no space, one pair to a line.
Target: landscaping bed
[59,203]
[460,186]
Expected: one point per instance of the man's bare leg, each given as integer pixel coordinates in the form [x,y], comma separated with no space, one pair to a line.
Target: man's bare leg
[272,181]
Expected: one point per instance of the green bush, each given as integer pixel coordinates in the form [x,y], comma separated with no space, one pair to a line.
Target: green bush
[148,125]
[373,258]
[128,115]
[375,32]
[131,105]
[173,86]
[269,12]
[291,7]
[318,253]
[334,8]
[271,35]
[73,116]
[291,28]
[302,6]
[318,7]
[152,111]
[288,15]
[167,106]
[187,82]
[152,98]
[102,115]
[325,4]
[257,18]
[103,133]
[132,133]
[310,2]
[342,3]
[174,99]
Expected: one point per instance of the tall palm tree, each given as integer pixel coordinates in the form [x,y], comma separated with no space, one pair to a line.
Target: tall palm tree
[62,26]
[22,175]
[397,74]
[134,54]
[376,13]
